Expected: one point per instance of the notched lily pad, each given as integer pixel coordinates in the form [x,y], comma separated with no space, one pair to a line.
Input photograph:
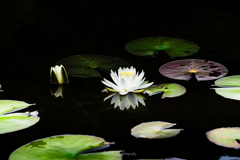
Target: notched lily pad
[65,147]
[8,106]
[226,137]
[154,130]
[15,121]
[170,90]
[150,46]
[230,87]
[203,69]
[86,65]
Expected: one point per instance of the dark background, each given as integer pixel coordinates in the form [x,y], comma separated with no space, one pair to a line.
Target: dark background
[34,35]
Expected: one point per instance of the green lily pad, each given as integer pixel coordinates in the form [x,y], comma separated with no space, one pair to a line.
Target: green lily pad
[65,147]
[225,137]
[170,90]
[150,46]
[154,130]
[230,87]
[15,121]
[203,69]
[85,65]
[7,106]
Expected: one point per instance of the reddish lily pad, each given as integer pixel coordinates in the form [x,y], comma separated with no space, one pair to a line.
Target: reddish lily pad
[203,69]
[225,137]
[154,130]
[150,46]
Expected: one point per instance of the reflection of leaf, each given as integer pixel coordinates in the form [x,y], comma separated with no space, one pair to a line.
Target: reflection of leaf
[169,89]
[183,69]
[225,137]
[15,121]
[154,130]
[85,66]
[67,147]
[150,46]
[231,87]
[126,101]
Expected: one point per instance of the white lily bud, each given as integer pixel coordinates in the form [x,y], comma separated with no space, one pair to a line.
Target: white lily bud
[58,75]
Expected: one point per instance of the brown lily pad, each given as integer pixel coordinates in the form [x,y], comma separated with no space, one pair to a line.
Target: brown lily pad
[203,69]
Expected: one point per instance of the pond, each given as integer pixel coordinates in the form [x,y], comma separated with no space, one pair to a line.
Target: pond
[36,35]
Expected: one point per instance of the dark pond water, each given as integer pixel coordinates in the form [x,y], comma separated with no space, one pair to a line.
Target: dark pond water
[37,34]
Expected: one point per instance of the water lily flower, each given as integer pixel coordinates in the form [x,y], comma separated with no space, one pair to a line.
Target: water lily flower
[127,80]
[58,75]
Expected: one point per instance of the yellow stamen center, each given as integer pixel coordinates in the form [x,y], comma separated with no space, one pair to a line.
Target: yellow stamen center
[125,73]
[193,70]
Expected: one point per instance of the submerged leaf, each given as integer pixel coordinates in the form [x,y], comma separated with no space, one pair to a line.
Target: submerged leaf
[170,90]
[154,130]
[85,65]
[65,147]
[203,69]
[231,87]
[225,137]
[150,46]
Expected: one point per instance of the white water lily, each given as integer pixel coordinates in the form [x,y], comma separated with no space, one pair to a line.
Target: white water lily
[127,80]
[58,75]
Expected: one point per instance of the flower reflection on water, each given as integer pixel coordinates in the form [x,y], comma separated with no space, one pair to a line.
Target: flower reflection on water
[126,101]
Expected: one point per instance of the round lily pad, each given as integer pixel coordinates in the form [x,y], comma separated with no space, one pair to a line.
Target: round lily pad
[230,87]
[16,121]
[154,130]
[150,46]
[225,137]
[170,90]
[85,65]
[203,69]
[65,147]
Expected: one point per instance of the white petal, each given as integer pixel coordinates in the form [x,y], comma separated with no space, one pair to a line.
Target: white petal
[115,78]
[144,85]
[110,84]
[123,83]
[139,82]
[123,92]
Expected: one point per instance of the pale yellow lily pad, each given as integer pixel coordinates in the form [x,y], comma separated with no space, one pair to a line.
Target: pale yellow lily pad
[225,137]
[154,130]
